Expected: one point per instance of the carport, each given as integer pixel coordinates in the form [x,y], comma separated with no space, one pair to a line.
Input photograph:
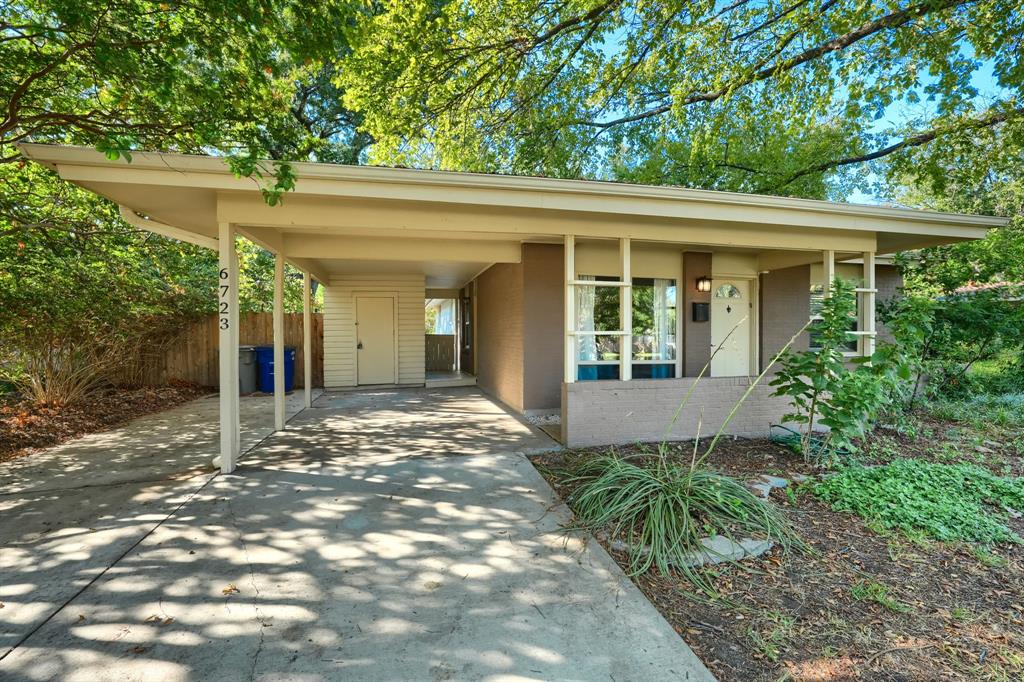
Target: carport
[386,534]
[370,235]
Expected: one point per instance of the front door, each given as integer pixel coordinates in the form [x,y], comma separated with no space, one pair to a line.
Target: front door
[375,340]
[730,327]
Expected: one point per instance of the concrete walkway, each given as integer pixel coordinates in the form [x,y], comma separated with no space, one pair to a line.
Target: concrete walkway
[383,536]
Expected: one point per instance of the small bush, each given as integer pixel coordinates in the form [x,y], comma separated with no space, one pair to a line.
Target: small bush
[668,507]
[943,501]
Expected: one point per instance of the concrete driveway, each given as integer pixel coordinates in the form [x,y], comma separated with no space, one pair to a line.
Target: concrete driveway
[398,535]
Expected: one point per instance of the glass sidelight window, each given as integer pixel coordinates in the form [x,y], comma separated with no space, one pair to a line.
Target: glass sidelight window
[654,329]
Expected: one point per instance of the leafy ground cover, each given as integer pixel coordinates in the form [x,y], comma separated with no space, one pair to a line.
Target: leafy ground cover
[26,427]
[941,501]
[867,602]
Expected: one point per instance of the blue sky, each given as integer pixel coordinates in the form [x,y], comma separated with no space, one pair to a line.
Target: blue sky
[898,113]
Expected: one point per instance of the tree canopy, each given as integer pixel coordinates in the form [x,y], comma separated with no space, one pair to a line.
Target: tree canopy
[772,96]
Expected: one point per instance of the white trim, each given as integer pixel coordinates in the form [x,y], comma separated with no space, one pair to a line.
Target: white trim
[279,409]
[307,340]
[598,283]
[626,311]
[227,306]
[868,293]
[157,227]
[183,169]
[569,341]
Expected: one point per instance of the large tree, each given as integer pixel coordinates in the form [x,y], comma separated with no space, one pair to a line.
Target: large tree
[192,76]
[765,95]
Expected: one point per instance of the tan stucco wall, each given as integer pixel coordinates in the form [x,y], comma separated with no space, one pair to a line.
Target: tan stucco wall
[543,325]
[340,331]
[499,351]
[696,335]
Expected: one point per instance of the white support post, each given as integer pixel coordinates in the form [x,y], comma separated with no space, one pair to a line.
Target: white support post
[626,312]
[236,327]
[570,309]
[868,306]
[828,271]
[227,306]
[279,342]
[307,339]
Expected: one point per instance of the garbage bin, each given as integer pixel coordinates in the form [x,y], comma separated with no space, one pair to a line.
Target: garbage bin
[265,366]
[246,369]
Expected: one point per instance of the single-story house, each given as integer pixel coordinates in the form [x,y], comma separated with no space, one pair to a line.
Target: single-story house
[598,301]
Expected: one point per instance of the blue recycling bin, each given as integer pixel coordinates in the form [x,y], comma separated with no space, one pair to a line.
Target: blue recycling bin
[265,367]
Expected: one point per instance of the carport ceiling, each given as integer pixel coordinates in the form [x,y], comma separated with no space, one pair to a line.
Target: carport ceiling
[439,274]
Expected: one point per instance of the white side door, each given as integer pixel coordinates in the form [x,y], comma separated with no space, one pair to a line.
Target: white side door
[375,340]
[731,324]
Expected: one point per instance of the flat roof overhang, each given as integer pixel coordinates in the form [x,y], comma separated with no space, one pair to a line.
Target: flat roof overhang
[340,216]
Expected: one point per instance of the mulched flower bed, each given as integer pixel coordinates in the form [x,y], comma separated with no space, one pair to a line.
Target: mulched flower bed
[861,605]
[27,427]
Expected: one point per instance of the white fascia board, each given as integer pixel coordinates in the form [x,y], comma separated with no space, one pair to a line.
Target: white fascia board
[77,163]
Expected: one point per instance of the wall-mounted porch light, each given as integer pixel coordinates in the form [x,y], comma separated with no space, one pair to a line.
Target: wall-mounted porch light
[704,284]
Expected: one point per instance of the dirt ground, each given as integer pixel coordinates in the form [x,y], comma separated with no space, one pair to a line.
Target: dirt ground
[862,604]
[28,427]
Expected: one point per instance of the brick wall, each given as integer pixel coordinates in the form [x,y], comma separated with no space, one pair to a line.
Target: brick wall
[499,321]
[543,325]
[785,307]
[888,282]
[621,412]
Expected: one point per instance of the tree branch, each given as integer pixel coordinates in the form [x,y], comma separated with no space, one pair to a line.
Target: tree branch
[865,30]
[918,140]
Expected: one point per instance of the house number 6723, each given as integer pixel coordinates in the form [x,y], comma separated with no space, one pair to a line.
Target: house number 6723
[224,319]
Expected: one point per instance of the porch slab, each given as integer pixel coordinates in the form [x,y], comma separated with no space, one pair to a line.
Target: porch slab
[395,535]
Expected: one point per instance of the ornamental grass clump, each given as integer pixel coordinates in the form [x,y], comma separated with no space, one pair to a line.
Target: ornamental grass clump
[664,508]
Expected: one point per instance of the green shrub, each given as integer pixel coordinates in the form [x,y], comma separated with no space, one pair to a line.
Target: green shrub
[669,507]
[825,390]
[982,410]
[943,501]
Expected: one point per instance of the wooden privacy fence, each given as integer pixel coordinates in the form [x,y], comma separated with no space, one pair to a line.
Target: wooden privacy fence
[440,350]
[194,356]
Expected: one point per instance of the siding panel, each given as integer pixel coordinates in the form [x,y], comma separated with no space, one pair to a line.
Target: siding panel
[339,326]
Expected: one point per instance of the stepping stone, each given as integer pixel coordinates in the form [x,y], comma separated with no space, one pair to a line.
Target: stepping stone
[774,481]
[762,490]
[716,550]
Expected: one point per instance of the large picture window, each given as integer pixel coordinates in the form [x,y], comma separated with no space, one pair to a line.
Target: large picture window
[654,329]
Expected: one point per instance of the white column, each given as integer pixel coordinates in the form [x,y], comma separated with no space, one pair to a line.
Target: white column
[828,270]
[227,320]
[868,305]
[626,312]
[570,309]
[279,342]
[307,339]
[236,327]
